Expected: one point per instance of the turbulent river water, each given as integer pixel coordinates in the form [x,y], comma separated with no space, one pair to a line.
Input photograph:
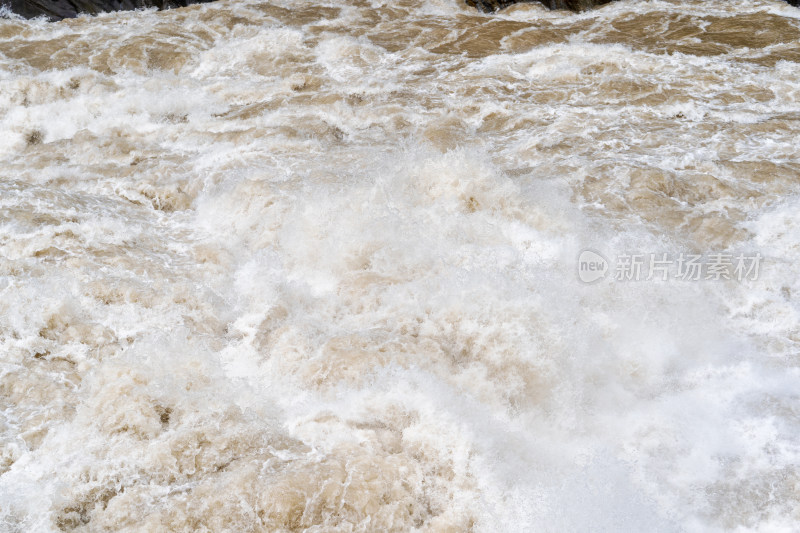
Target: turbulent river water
[305,266]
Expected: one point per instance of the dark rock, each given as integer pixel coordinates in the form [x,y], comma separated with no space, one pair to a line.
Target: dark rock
[61,9]
[487,6]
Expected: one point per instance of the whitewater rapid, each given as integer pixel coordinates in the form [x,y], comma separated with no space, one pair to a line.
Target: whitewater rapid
[300,266]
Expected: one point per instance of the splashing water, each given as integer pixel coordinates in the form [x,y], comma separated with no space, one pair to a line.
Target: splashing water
[297,266]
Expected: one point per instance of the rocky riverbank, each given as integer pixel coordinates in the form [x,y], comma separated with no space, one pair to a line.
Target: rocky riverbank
[488,6]
[61,9]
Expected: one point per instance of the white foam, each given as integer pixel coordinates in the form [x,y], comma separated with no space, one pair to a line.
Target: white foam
[295,279]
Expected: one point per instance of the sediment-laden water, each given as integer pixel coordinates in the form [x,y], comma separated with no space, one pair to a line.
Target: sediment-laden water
[300,266]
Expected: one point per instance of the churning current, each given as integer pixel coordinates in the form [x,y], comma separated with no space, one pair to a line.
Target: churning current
[372,266]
